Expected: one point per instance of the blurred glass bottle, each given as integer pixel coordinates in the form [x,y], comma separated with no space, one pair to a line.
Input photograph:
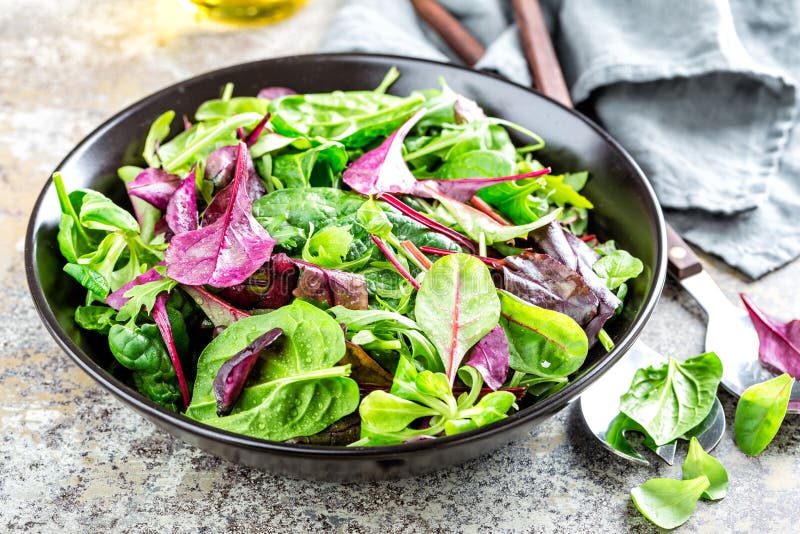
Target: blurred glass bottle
[261,11]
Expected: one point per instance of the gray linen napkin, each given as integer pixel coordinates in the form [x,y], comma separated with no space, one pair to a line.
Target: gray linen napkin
[702,93]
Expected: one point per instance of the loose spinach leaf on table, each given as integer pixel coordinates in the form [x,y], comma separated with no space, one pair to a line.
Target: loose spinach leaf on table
[669,503]
[295,388]
[456,306]
[760,412]
[671,399]
[699,463]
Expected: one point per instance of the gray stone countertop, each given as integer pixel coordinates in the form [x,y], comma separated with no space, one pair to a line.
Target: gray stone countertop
[73,458]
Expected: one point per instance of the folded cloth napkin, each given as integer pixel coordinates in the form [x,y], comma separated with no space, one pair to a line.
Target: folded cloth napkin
[703,94]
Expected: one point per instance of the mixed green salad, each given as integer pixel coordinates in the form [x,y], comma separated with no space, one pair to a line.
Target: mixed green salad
[347,268]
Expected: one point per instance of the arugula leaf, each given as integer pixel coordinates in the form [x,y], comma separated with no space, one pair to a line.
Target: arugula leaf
[456,306]
[143,296]
[666,502]
[671,399]
[760,412]
[541,342]
[699,463]
[294,390]
[617,267]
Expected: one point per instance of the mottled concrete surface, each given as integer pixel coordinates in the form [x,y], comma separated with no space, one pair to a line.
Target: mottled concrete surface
[75,459]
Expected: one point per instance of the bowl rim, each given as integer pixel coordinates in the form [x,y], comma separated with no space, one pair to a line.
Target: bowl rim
[152,410]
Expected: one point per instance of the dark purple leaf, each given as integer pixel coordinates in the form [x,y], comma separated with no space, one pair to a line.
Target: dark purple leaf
[269,288]
[230,379]
[226,252]
[546,282]
[156,186]
[219,312]
[182,207]
[778,343]
[565,247]
[117,299]
[271,93]
[490,357]
[162,321]
[220,169]
[331,286]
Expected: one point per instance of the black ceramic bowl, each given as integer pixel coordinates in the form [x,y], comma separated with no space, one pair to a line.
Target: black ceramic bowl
[625,210]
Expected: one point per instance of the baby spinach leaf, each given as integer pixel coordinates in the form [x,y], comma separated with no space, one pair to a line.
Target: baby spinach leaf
[671,399]
[617,267]
[73,239]
[89,278]
[541,342]
[516,200]
[293,389]
[476,164]
[233,373]
[141,349]
[353,118]
[699,463]
[226,252]
[158,131]
[96,318]
[296,169]
[98,212]
[666,502]
[456,306]
[154,186]
[760,412]
[779,343]
[374,220]
[490,357]
[220,109]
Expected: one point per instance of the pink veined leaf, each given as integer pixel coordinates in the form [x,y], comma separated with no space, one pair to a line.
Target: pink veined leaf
[156,186]
[220,169]
[273,92]
[162,321]
[233,374]
[253,136]
[383,170]
[218,311]
[393,260]
[181,213]
[490,357]
[779,343]
[227,251]
[117,299]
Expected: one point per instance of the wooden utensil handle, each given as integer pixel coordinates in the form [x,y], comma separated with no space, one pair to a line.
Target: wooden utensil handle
[457,37]
[682,262]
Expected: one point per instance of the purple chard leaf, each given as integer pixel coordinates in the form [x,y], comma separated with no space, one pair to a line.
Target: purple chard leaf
[230,379]
[778,343]
[270,287]
[331,286]
[490,357]
[220,169]
[219,312]
[227,251]
[156,186]
[162,321]
[271,93]
[181,214]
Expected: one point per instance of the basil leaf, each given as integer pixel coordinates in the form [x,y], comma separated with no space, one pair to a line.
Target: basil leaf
[542,342]
[699,463]
[666,502]
[456,306]
[671,399]
[760,412]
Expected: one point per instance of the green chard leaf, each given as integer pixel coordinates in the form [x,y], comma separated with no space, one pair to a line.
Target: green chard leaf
[699,463]
[760,412]
[541,342]
[296,389]
[456,306]
[669,503]
[671,399]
